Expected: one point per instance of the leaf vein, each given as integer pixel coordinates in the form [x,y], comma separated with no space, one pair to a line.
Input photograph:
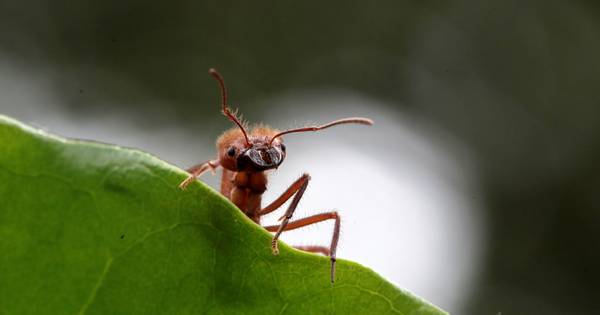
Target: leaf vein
[99,283]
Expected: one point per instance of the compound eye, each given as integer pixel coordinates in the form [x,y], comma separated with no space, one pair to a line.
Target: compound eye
[231,152]
[283,147]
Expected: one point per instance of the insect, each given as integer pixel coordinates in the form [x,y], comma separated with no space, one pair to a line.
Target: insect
[246,155]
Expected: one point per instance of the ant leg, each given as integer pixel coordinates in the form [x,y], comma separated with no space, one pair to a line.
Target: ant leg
[312,220]
[198,170]
[314,249]
[295,187]
[303,183]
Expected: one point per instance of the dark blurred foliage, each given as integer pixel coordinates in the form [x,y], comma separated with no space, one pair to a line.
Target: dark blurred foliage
[517,81]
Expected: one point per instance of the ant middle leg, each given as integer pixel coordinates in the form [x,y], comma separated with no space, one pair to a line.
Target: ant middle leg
[312,220]
[314,249]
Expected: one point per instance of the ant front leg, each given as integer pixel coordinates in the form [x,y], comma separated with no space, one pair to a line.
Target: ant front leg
[295,187]
[297,190]
[198,170]
[312,220]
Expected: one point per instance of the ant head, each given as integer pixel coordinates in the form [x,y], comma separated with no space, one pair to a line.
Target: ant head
[264,148]
[262,154]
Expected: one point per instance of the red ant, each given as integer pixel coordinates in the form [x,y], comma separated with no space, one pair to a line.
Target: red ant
[245,156]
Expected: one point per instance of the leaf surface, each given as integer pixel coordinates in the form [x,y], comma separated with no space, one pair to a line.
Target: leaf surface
[89,228]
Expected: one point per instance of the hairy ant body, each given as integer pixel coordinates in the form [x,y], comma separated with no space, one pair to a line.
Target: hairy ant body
[245,156]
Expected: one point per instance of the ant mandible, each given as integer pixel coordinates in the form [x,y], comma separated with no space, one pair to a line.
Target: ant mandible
[245,156]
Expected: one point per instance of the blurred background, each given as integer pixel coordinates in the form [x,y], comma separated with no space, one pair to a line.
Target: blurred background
[477,188]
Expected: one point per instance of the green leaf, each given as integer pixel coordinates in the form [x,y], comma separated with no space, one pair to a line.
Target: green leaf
[88,228]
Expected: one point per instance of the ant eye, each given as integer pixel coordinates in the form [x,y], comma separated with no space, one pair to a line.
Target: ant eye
[283,147]
[231,151]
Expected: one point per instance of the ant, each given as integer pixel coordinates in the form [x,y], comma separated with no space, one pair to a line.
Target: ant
[245,156]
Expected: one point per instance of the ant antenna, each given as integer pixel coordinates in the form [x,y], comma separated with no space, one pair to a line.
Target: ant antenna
[352,120]
[226,111]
